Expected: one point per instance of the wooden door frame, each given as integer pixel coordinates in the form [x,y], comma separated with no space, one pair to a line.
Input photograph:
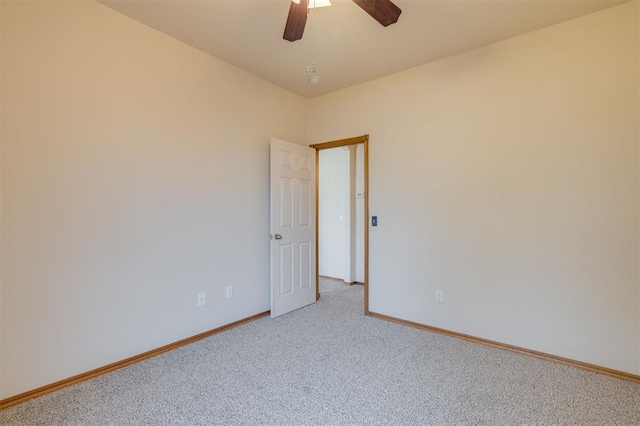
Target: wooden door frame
[364,139]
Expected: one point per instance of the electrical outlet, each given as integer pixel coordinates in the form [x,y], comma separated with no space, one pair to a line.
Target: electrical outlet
[439,296]
[201,299]
[229,292]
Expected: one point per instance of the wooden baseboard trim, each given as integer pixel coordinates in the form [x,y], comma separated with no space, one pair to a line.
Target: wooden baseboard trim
[340,280]
[332,278]
[17,399]
[578,364]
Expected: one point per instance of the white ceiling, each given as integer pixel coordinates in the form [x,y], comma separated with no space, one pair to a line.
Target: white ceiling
[348,45]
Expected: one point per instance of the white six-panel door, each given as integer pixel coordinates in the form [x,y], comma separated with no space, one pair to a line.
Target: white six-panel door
[293,234]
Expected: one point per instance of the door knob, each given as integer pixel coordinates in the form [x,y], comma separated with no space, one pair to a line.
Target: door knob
[278,237]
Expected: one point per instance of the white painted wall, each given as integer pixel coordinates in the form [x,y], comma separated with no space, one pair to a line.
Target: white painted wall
[507,176]
[341,243]
[333,196]
[351,218]
[359,216]
[134,175]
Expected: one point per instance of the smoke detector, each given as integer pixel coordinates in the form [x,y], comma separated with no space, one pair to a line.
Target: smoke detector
[314,79]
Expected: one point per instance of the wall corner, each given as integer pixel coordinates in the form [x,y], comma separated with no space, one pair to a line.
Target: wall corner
[637,2]
[1,114]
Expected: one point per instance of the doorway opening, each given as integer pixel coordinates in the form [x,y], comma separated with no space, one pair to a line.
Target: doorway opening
[353,223]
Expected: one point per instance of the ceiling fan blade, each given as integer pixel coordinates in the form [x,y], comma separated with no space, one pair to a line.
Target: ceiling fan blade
[296,21]
[383,11]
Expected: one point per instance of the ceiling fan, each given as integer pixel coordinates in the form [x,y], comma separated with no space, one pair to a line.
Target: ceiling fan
[383,11]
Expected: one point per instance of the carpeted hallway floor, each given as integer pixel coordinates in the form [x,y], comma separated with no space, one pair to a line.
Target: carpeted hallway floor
[350,370]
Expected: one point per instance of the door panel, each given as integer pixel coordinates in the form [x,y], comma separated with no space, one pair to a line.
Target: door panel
[293,268]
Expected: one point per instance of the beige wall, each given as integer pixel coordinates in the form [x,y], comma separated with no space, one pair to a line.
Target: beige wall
[1,387]
[507,176]
[134,175]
